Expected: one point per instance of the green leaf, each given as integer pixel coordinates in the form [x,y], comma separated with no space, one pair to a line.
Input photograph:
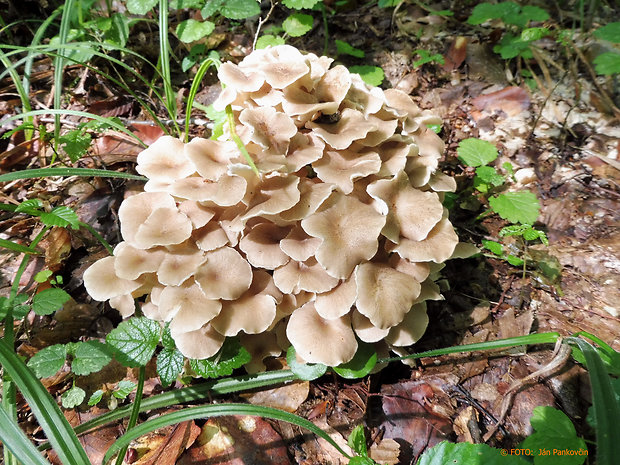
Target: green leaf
[28,206]
[75,143]
[48,301]
[61,216]
[514,260]
[297,24]
[534,13]
[119,32]
[43,276]
[494,247]
[511,46]
[166,338]
[465,453]
[305,371]
[123,389]
[89,357]
[436,128]
[95,397]
[372,75]
[16,247]
[388,3]
[240,9]
[269,40]
[476,152]
[20,309]
[211,7]
[426,57]
[485,11]
[609,32]
[169,365]
[607,63]
[487,175]
[134,341]
[347,49]
[140,7]
[532,34]
[514,230]
[48,361]
[361,364]
[232,355]
[191,30]
[516,207]
[357,441]
[15,440]
[300,4]
[73,397]
[554,430]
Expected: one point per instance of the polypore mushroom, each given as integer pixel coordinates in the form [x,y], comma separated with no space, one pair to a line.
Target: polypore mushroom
[303,276]
[131,263]
[179,263]
[318,340]
[437,247]
[262,246]
[270,129]
[351,126]
[343,167]
[211,157]
[338,301]
[189,302]
[201,343]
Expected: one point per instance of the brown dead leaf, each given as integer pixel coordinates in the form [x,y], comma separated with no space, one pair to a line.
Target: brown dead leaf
[335,457]
[288,397]
[385,452]
[57,246]
[511,100]
[168,451]
[456,54]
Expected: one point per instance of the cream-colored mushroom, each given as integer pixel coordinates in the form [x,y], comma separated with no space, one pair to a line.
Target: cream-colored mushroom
[225,275]
[273,195]
[131,263]
[210,237]
[202,343]
[384,295]
[303,276]
[179,263]
[102,283]
[312,195]
[349,230]
[190,304]
[411,329]
[437,247]
[232,75]
[298,245]
[260,346]
[211,157]
[198,214]
[318,340]
[165,160]
[411,213]
[262,246]
[365,330]
[343,167]
[226,191]
[352,126]
[269,128]
[135,210]
[338,301]
[125,305]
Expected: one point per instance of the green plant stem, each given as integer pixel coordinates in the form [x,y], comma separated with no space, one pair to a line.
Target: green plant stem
[98,236]
[135,411]
[59,65]
[164,61]
[235,137]
[325,29]
[48,172]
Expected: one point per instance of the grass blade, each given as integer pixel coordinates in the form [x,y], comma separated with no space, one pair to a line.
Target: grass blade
[16,247]
[54,424]
[164,59]
[47,172]
[14,439]
[59,64]
[605,404]
[194,89]
[218,410]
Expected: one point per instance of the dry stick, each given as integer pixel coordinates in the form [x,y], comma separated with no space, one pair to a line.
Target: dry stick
[262,21]
[560,356]
[539,115]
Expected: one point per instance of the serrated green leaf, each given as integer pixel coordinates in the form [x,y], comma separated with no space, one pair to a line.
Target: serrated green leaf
[554,430]
[514,260]
[169,365]
[73,397]
[372,75]
[607,63]
[20,310]
[210,8]
[140,7]
[28,206]
[185,4]
[298,24]
[609,32]
[75,143]
[494,247]
[300,4]
[166,338]
[239,9]
[357,440]
[269,40]
[61,216]
[90,357]
[476,152]
[42,276]
[191,30]
[231,356]
[48,361]
[532,34]
[347,49]
[95,397]
[514,230]
[465,453]
[361,364]
[488,175]
[485,11]
[48,301]
[123,389]
[304,371]
[516,207]
[134,341]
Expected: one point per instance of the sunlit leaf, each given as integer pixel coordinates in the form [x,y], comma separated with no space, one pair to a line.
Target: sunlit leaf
[476,152]
[305,371]
[191,30]
[134,341]
[48,361]
[61,216]
[347,49]
[73,397]
[48,301]
[232,355]
[169,365]
[240,9]
[298,24]
[89,357]
[123,389]
[140,7]
[516,207]
[372,75]
[609,32]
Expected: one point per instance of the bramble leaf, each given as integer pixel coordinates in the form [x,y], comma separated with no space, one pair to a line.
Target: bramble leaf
[48,301]
[140,7]
[239,9]
[48,361]
[89,357]
[61,216]
[75,143]
[465,453]
[169,365]
[134,341]
[232,355]
[609,32]
[607,63]
[267,40]
[300,4]
[297,24]
[516,207]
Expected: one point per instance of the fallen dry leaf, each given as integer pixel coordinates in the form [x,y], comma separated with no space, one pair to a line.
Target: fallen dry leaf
[172,446]
[511,100]
[287,398]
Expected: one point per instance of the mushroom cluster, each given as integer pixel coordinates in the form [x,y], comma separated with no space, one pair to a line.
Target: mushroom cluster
[338,238]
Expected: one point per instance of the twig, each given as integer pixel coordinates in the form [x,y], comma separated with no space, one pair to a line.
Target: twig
[262,21]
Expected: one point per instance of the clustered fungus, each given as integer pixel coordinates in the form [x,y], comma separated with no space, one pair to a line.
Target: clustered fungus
[337,239]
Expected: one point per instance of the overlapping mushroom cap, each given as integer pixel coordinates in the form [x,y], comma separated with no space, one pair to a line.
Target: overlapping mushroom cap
[330,243]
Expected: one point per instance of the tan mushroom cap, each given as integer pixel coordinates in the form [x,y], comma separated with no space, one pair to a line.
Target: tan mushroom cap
[189,298]
[298,245]
[262,246]
[165,160]
[362,97]
[281,65]
[349,230]
[165,226]
[317,340]
[102,283]
[437,247]
[260,347]
[273,195]
[411,213]
[179,263]
[225,275]
[394,152]
[411,329]
[303,276]
[312,196]
[419,271]
[384,295]
[304,149]
[420,169]
[440,182]
[338,301]
[365,329]
[226,191]
[343,167]
[124,304]
[251,313]
[270,129]
[202,343]
[352,126]
[131,263]
[232,75]
[198,214]
[429,143]
[211,157]
[210,237]
[135,210]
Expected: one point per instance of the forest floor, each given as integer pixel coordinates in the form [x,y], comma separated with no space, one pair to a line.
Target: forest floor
[562,131]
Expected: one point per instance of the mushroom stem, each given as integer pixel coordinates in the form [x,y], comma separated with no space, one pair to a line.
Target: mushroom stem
[237,140]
